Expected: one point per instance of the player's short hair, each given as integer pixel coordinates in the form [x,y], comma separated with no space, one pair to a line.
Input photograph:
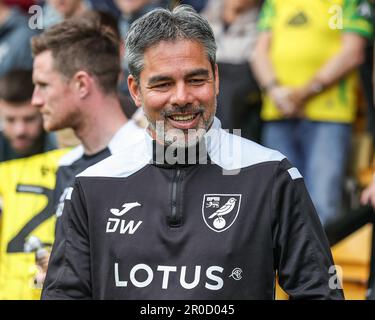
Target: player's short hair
[80,44]
[182,23]
[16,87]
[104,20]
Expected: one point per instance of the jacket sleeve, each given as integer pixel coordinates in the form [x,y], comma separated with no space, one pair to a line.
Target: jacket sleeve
[69,275]
[302,255]
[266,16]
[358,18]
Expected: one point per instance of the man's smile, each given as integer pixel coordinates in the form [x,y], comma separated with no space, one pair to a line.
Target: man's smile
[184,120]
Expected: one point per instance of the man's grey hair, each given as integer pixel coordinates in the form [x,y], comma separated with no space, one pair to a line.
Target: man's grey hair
[182,23]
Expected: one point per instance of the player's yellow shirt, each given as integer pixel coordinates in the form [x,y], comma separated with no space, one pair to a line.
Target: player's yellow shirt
[305,35]
[26,187]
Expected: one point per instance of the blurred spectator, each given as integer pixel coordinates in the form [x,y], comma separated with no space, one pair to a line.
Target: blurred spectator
[70,8]
[15,38]
[368,76]
[106,6]
[367,82]
[55,15]
[305,65]
[23,133]
[368,195]
[130,10]
[22,4]
[234,26]
[26,185]
[56,11]
[198,5]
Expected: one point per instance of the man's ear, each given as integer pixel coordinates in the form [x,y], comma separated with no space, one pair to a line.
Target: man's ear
[217,86]
[134,90]
[82,83]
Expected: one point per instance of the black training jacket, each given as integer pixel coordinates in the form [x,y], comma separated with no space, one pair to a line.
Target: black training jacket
[136,226]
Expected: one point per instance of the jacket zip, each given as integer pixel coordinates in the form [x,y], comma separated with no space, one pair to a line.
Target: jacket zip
[175,219]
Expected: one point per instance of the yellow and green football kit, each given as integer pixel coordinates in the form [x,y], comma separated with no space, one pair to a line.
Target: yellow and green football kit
[26,187]
[306,35]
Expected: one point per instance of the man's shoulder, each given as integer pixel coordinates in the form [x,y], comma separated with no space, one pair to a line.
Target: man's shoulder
[129,134]
[120,151]
[238,155]
[235,153]
[123,163]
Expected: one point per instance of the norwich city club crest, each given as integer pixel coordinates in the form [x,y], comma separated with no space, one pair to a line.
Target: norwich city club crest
[220,211]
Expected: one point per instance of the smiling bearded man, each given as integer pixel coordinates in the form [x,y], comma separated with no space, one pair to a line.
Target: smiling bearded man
[219,227]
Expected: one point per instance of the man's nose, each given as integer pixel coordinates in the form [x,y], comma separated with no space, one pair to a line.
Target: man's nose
[36,99]
[181,95]
[20,128]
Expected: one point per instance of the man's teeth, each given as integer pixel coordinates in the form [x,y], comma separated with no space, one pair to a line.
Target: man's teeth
[183,118]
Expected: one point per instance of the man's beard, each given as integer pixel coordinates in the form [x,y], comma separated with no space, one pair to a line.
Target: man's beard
[35,145]
[180,138]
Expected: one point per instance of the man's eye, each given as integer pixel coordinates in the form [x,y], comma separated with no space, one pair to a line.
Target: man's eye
[9,120]
[30,119]
[164,85]
[42,85]
[196,81]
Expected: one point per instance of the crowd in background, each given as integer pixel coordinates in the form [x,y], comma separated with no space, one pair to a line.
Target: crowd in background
[282,82]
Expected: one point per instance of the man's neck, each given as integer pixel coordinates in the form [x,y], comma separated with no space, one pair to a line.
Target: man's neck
[100,125]
[4,13]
